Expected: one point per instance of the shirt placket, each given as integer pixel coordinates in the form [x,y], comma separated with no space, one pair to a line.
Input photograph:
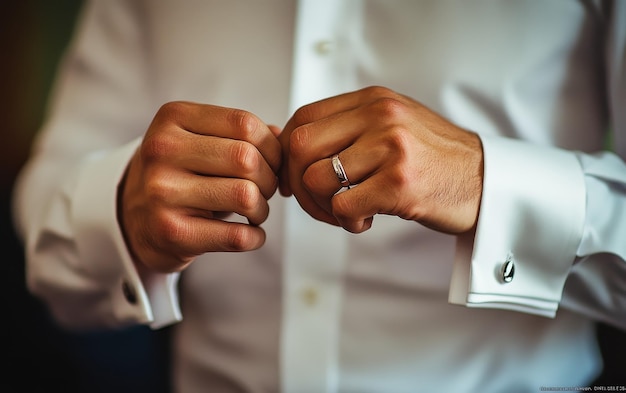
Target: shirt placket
[315,252]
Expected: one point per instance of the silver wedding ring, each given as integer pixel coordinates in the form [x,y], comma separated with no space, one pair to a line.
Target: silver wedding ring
[340,172]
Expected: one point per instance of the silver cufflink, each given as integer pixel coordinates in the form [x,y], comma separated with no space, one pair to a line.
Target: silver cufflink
[508,269]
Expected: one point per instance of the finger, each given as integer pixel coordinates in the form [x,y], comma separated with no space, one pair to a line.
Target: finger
[230,236]
[314,142]
[202,196]
[222,157]
[355,208]
[324,137]
[319,130]
[182,238]
[223,122]
[358,162]
[319,110]
[319,141]
[336,104]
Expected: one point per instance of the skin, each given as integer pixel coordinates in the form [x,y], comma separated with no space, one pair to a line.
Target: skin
[407,161]
[197,164]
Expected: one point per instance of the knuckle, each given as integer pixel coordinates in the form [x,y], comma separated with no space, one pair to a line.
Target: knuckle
[238,238]
[398,178]
[299,141]
[389,108]
[245,157]
[397,139]
[172,111]
[379,91]
[305,114]
[244,122]
[158,189]
[246,195]
[341,207]
[170,231]
[157,146]
[160,140]
[311,179]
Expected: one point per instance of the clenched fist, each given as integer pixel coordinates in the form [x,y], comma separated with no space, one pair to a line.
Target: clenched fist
[407,161]
[197,164]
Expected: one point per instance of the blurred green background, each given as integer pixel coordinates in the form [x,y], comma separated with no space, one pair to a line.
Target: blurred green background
[40,357]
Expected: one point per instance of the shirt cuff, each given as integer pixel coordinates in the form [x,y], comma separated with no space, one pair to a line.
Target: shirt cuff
[100,240]
[531,221]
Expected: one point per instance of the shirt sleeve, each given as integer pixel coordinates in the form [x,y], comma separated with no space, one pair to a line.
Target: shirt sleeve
[552,225]
[552,222]
[78,261]
[531,220]
[65,196]
[149,298]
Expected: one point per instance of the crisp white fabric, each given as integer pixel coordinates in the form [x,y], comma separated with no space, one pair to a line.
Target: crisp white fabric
[550,222]
[318,309]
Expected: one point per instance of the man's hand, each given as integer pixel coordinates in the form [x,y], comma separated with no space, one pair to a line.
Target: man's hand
[407,161]
[196,165]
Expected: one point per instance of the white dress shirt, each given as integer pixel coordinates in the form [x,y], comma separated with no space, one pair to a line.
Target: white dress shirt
[399,308]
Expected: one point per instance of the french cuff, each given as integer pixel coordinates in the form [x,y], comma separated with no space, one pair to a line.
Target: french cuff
[99,240]
[530,224]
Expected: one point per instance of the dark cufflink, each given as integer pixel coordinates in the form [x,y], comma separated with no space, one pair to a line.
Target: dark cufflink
[129,293]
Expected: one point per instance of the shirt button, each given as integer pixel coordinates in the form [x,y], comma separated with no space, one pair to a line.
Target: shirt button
[309,296]
[129,293]
[508,269]
[323,47]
